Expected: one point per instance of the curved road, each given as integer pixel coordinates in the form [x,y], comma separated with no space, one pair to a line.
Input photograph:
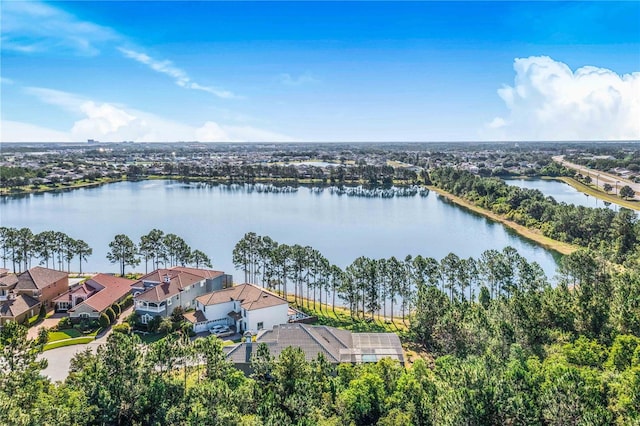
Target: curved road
[598,177]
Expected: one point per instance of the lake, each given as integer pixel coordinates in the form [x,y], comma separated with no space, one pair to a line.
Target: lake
[213,218]
[561,192]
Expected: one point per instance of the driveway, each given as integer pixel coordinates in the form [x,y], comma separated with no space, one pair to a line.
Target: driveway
[59,359]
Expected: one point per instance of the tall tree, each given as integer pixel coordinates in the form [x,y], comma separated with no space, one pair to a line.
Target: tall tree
[199,258]
[123,251]
[83,251]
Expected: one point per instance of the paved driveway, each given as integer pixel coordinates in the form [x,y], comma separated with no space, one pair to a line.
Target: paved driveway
[59,359]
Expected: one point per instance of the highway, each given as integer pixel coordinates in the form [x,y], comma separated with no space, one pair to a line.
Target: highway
[600,178]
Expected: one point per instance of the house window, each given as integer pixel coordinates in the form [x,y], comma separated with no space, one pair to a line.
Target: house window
[84,315]
[260,325]
[145,318]
[201,283]
[169,302]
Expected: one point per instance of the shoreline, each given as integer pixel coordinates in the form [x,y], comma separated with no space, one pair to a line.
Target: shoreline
[521,230]
[603,196]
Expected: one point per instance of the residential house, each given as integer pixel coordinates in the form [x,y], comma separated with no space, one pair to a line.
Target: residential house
[243,307]
[160,292]
[110,290]
[336,345]
[43,284]
[18,308]
[76,295]
[7,284]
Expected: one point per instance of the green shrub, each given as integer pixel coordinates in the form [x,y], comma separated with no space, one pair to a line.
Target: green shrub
[122,328]
[64,323]
[104,321]
[116,309]
[154,324]
[187,329]
[43,312]
[133,319]
[128,301]
[111,314]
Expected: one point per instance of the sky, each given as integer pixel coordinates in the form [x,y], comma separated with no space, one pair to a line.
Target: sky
[319,71]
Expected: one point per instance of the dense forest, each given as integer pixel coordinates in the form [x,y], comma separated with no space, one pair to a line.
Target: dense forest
[564,355]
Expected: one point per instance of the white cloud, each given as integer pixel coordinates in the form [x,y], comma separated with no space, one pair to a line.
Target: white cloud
[32,27]
[180,76]
[16,131]
[289,80]
[112,122]
[549,101]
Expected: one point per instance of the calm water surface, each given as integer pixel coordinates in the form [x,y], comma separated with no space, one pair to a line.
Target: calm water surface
[561,192]
[214,218]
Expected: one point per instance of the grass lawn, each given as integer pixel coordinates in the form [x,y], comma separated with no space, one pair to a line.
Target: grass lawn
[605,196]
[69,342]
[341,319]
[64,334]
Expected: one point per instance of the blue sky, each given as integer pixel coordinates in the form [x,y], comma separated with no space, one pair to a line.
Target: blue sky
[320,71]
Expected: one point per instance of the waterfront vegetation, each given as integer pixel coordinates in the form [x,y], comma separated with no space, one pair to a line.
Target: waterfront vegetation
[586,227]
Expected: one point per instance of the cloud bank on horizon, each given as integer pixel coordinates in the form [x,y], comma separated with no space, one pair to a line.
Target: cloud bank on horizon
[549,101]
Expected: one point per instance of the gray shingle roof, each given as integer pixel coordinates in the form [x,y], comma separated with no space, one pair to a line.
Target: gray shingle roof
[338,346]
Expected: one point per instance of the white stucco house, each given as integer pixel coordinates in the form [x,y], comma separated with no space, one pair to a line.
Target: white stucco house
[244,307]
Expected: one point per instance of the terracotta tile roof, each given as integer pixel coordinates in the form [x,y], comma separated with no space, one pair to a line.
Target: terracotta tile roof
[204,273]
[195,317]
[114,289]
[38,278]
[251,297]
[15,307]
[178,281]
[8,280]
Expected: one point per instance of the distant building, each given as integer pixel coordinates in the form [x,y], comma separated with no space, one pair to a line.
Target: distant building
[92,141]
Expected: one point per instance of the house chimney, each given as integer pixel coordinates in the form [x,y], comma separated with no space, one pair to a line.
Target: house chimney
[249,346]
